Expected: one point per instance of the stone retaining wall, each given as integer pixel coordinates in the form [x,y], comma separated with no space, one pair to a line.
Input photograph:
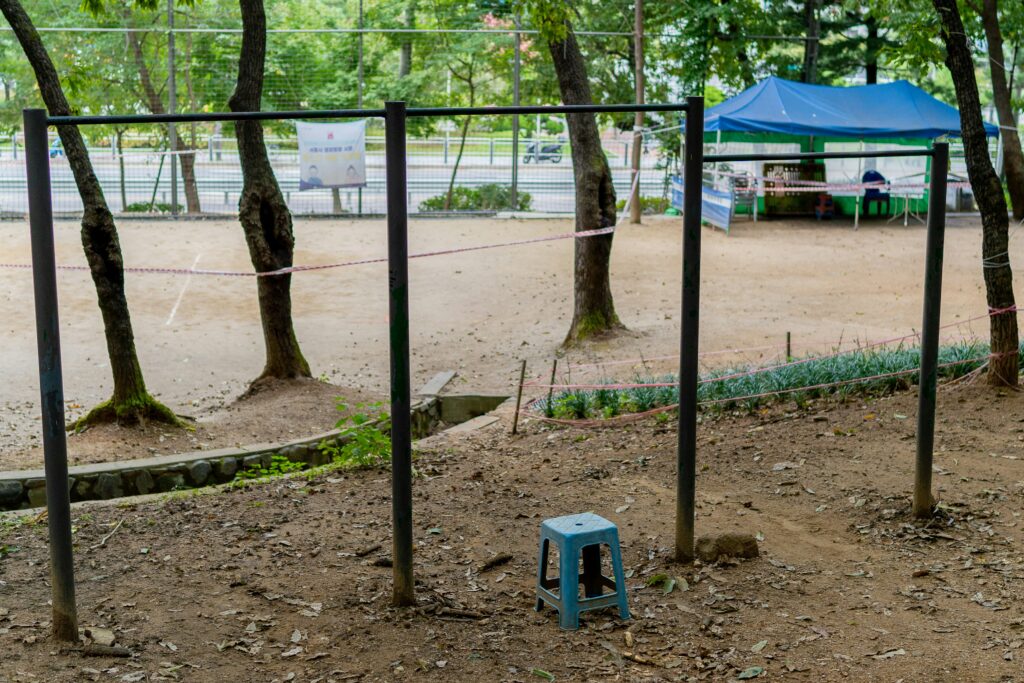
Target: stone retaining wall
[99,481]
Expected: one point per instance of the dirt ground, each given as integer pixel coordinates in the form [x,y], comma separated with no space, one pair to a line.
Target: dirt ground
[199,338]
[284,581]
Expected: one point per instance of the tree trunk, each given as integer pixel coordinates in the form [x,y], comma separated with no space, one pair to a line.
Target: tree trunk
[156,106]
[1003,367]
[119,146]
[405,51]
[462,138]
[811,44]
[636,209]
[872,48]
[593,308]
[1013,157]
[188,177]
[130,402]
[262,210]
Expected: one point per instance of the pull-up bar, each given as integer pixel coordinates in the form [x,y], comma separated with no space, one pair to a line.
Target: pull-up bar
[47,324]
[395,115]
[801,156]
[412,112]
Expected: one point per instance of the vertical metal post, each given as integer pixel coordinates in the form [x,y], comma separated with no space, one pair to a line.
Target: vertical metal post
[398,297]
[172,106]
[930,330]
[51,383]
[516,66]
[858,181]
[686,456]
[359,96]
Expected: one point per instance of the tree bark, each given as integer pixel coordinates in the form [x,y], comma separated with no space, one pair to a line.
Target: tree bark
[262,210]
[635,208]
[593,308]
[462,137]
[1003,366]
[1013,157]
[130,402]
[811,44]
[872,48]
[405,50]
[156,106]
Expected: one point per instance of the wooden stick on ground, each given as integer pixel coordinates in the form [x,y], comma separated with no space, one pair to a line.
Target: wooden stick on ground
[519,397]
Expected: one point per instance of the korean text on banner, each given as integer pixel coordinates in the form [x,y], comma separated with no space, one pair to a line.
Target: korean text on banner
[331,154]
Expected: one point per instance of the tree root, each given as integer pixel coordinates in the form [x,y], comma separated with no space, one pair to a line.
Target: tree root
[591,326]
[136,411]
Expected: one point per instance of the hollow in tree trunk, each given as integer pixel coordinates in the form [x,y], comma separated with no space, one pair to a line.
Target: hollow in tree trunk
[593,308]
[262,210]
[1003,366]
[1013,157]
[130,402]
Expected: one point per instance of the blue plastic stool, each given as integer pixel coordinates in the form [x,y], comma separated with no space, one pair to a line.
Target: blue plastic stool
[577,535]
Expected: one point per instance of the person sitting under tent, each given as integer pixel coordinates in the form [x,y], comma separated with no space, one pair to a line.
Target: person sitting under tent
[874,195]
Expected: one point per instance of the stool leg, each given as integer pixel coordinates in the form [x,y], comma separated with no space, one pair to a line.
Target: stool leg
[592,570]
[542,571]
[569,587]
[620,580]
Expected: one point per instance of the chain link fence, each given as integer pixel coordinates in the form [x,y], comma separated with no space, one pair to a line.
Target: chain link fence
[136,178]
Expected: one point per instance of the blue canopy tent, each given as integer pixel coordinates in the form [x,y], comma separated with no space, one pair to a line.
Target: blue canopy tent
[808,117]
[890,110]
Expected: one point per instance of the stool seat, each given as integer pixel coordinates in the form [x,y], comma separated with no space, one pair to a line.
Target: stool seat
[579,525]
[580,536]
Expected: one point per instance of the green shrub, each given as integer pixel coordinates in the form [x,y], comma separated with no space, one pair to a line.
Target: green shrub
[143,207]
[489,197]
[648,205]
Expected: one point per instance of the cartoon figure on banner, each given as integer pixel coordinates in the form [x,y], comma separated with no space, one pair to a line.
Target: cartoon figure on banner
[332,155]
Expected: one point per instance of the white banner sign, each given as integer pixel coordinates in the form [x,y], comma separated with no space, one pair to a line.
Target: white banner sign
[331,154]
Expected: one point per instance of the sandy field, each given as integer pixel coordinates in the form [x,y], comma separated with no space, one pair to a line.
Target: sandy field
[477,313]
[290,581]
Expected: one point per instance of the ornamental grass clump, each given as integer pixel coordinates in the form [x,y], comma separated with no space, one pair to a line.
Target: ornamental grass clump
[865,372]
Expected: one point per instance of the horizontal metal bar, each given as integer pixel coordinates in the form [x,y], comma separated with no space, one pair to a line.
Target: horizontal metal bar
[419,112]
[545,109]
[506,31]
[214,116]
[794,156]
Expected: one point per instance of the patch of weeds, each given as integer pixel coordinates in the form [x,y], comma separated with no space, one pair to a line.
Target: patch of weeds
[279,465]
[365,438]
[6,550]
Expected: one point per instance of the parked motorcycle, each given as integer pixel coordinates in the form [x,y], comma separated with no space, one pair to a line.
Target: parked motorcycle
[551,151]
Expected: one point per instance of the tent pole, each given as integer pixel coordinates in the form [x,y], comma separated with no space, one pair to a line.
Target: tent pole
[718,150]
[860,174]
